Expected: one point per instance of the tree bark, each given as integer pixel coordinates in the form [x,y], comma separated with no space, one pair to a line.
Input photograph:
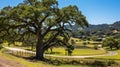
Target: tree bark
[40,50]
[111,47]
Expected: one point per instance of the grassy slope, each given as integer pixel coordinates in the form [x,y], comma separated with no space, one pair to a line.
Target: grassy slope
[117,57]
[81,52]
[23,61]
[33,64]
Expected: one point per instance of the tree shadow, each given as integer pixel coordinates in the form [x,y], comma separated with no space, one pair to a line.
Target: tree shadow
[108,49]
[53,52]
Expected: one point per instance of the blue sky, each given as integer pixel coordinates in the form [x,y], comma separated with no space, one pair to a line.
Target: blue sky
[96,11]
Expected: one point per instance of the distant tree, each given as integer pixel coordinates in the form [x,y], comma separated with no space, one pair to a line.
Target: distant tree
[81,32]
[72,42]
[69,50]
[94,38]
[96,47]
[117,36]
[111,42]
[85,43]
[44,20]
[117,44]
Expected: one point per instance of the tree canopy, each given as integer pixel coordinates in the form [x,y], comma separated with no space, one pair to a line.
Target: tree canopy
[111,42]
[43,19]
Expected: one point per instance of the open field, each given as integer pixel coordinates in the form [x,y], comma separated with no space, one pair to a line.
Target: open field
[62,51]
[78,52]
[41,64]
[29,63]
[23,61]
[116,57]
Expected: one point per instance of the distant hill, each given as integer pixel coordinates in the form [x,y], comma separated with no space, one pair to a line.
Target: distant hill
[99,30]
[114,26]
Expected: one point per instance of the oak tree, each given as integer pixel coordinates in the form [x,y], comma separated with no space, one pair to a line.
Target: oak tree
[43,19]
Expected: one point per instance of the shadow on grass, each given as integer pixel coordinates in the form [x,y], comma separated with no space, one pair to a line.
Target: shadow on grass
[83,47]
[108,49]
[83,62]
[73,61]
[53,52]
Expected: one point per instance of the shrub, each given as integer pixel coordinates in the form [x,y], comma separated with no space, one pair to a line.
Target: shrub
[99,63]
[111,62]
[95,47]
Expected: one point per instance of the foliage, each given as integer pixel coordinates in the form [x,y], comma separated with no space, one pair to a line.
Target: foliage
[94,38]
[70,50]
[42,20]
[111,42]
[85,43]
[72,42]
[96,47]
[89,62]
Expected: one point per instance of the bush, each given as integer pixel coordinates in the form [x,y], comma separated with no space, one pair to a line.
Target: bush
[88,62]
[95,47]
[99,63]
[111,63]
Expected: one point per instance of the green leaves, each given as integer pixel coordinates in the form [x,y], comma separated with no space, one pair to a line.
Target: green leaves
[72,14]
[43,20]
[111,42]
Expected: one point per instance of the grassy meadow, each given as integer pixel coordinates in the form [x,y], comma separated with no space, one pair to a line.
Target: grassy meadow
[81,50]
[29,63]
[116,57]
[76,52]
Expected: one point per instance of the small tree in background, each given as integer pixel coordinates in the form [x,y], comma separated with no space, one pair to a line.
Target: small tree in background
[72,42]
[111,43]
[117,44]
[85,43]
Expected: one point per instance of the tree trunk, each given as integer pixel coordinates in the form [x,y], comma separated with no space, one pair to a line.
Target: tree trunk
[32,46]
[40,50]
[111,47]
[51,50]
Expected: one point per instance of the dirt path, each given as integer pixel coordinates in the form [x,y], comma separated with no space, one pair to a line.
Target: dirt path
[110,53]
[9,63]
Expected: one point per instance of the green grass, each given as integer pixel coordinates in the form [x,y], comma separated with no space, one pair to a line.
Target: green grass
[82,52]
[27,63]
[70,66]
[78,52]
[23,61]
[116,57]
